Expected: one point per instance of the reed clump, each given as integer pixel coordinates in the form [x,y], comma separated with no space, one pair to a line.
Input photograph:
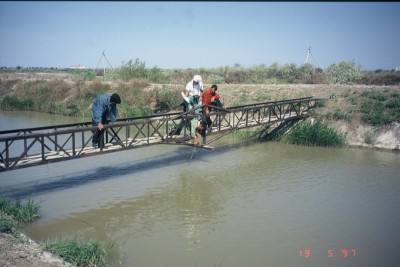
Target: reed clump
[78,251]
[14,214]
[314,134]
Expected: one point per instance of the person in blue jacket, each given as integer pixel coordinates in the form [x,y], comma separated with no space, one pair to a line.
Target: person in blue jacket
[103,107]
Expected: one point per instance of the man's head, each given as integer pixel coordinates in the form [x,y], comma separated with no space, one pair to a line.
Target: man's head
[115,99]
[197,78]
[201,128]
[214,88]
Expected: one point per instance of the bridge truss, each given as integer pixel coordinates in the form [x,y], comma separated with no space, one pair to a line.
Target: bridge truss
[29,147]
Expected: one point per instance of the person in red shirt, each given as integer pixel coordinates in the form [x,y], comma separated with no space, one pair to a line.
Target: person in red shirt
[210,97]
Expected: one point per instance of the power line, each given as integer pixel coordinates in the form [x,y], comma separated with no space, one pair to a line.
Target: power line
[103,55]
[310,54]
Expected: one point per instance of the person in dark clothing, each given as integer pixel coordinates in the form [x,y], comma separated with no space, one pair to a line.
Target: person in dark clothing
[198,129]
[104,106]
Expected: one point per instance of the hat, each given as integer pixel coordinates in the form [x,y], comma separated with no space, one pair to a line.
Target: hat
[115,99]
[197,78]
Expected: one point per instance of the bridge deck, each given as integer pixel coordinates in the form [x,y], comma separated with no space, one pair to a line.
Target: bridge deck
[29,147]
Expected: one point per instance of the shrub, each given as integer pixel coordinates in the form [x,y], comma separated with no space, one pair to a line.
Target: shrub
[14,103]
[376,118]
[393,103]
[338,115]
[137,70]
[353,100]
[216,79]
[380,78]
[380,108]
[379,96]
[344,73]
[314,134]
[166,98]
[85,75]
[320,103]
[368,138]
[6,86]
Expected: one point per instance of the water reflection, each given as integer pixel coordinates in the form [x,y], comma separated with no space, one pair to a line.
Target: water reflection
[101,173]
[190,202]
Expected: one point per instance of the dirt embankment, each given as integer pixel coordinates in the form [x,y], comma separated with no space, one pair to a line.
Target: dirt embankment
[337,97]
[23,252]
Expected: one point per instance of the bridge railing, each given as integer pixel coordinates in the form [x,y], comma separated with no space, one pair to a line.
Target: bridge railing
[26,147]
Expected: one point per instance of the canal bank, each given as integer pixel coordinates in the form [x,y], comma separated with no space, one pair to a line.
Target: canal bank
[22,252]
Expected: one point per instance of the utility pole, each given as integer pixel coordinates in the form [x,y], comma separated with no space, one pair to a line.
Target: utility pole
[103,55]
[309,54]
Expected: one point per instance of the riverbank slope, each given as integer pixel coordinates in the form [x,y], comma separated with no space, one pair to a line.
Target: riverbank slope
[23,252]
[341,109]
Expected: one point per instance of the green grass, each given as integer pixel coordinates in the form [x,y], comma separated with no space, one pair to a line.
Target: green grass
[166,98]
[380,108]
[246,134]
[79,252]
[314,134]
[338,115]
[14,215]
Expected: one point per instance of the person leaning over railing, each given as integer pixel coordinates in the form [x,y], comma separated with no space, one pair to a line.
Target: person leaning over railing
[104,106]
[198,129]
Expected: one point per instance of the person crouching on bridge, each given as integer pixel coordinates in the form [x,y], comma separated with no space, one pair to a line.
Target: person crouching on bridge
[103,107]
[210,97]
[192,93]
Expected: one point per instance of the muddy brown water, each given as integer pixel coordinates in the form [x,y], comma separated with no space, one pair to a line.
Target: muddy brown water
[241,204]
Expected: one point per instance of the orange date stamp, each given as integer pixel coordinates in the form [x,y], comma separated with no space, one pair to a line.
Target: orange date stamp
[331,253]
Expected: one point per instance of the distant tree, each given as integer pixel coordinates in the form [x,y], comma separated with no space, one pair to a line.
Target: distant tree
[345,72]
[305,73]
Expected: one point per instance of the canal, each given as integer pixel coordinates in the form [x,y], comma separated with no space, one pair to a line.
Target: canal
[240,204]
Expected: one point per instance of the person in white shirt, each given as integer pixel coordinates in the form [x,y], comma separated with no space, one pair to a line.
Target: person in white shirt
[192,93]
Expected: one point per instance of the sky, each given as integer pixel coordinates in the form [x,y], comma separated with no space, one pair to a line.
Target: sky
[175,34]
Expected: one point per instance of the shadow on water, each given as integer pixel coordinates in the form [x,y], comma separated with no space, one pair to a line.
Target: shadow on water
[62,182]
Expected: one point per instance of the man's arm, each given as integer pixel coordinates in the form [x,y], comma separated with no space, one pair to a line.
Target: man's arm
[113,113]
[184,96]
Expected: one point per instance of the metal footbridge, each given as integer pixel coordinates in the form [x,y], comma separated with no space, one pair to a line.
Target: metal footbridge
[29,147]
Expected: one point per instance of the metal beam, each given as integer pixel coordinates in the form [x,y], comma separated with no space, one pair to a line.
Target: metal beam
[28,147]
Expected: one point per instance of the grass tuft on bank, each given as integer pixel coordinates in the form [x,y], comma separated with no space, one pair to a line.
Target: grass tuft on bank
[314,134]
[13,215]
[79,252]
